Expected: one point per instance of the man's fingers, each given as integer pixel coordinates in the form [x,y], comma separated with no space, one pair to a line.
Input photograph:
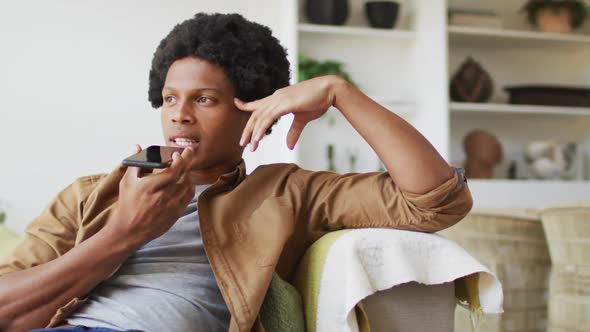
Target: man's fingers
[247,133]
[294,133]
[244,106]
[180,192]
[170,176]
[260,131]
[187,156]
[178,165]
[253,146]
[132,173]
[262,128]
[175,173]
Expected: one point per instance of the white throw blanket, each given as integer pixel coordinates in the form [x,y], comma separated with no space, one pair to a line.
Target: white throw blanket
[362,262]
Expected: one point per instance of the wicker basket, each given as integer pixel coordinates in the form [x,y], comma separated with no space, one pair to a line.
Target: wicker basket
[568,235]
[512,245]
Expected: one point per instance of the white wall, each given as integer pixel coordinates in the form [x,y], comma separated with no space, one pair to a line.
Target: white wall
[73,85]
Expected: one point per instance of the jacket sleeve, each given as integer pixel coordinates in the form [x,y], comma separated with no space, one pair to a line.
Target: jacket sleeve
[53,232]
[334,201]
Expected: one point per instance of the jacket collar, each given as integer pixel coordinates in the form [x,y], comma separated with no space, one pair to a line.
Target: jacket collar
[231,179]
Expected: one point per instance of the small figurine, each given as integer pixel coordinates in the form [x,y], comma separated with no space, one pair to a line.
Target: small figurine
[549,160]
[483,151]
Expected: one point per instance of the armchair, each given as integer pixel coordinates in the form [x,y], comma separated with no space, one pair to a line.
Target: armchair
[381,280]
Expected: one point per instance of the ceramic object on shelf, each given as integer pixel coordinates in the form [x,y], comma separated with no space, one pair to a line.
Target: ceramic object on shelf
[382,14]
[471,83]
[331,12]
[549,95]
[551,160]
[556,16]
[483,152]
[554,20]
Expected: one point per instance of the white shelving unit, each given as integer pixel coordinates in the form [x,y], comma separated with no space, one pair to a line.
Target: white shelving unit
[407,69]
[516,55]
[508,109]
[513,38]
[403,35]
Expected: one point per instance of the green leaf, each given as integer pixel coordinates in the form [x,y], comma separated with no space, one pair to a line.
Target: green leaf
[310,68]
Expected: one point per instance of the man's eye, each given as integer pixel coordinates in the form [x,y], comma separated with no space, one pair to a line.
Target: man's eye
[169,99]
[203,99]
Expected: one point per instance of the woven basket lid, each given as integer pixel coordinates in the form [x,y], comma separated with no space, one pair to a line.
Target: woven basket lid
[561,207]
[522,214]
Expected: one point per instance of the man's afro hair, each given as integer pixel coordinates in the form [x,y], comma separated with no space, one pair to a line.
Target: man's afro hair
[252,59]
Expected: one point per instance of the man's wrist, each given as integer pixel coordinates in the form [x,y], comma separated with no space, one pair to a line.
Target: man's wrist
[120,242]
[337,87]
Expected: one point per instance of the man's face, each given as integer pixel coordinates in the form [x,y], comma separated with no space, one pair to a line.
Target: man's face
[199,111]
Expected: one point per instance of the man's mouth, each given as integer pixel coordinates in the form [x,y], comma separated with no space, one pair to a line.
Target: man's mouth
[184,142]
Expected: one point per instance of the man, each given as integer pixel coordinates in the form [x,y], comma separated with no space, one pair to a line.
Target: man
[194,247]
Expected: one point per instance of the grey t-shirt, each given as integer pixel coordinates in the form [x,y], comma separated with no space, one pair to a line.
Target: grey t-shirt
[167,285]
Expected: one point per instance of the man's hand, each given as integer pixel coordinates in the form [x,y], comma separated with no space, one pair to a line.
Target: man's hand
[150,205]
[307,100]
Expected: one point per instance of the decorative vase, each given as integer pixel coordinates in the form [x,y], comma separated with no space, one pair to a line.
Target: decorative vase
[334,12]
[556,20]
[471,83]
[382,14]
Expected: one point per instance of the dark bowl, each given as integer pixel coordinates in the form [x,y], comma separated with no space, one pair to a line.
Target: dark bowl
[549,95]
[382,14]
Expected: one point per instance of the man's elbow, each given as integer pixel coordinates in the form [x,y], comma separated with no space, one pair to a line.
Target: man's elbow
[454,212]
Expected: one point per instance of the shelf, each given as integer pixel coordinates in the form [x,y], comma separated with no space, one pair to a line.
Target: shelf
[404,35]
[526,193]
[471,108]
[514,38]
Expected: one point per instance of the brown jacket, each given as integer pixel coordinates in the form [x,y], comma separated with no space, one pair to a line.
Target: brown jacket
[251,225]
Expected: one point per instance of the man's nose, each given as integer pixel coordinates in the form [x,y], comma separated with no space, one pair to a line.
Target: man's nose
[184,114]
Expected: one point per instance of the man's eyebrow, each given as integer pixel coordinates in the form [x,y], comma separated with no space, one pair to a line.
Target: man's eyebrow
[199,89]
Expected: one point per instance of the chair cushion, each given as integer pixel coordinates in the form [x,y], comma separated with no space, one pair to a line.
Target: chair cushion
[282,309]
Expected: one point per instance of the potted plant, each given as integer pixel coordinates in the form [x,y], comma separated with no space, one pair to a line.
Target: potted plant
[560,16]
[310,68]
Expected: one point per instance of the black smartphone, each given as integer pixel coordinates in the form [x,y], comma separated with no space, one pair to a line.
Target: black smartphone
[154,156]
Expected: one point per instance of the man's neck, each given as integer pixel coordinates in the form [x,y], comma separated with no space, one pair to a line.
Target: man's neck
[210,175]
